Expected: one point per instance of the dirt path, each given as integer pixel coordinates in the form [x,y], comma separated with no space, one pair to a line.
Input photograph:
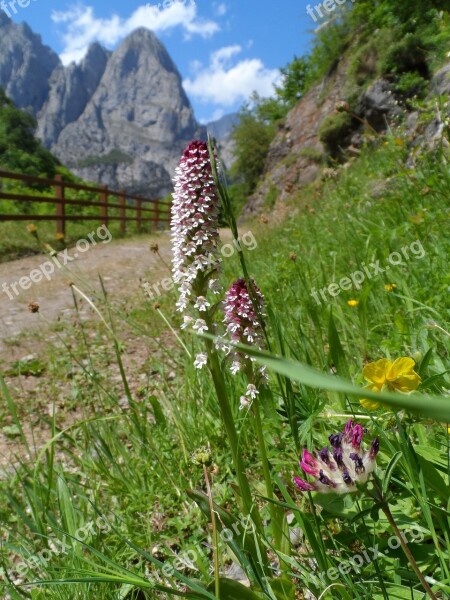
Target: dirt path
[122,264]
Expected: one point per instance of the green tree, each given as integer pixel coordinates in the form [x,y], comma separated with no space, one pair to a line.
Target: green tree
[252,137]
[19,150]
[294,77]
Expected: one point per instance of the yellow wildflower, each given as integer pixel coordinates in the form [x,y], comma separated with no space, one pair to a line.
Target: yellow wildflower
[390,287]
[393,376]
[353,303]
[59,237]
[31,228]
[416,219]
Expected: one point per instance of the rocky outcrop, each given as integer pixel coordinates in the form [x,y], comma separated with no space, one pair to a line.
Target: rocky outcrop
[120,118]
[294,155]
[441,81]
[297,155]
[378,105]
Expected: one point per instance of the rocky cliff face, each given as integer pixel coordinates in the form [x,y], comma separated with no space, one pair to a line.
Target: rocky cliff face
[118,118]
[70,91]
[25,65]
[298,154]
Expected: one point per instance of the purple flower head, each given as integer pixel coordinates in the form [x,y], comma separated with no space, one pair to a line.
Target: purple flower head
[303,486]
[242,321]
[340,469]
[194,224]
[309,463]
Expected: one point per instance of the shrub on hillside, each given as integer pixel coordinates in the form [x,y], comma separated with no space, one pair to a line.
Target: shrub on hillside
[334,131]
[19,150]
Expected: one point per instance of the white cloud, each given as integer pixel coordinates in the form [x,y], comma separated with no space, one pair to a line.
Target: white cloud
[220,9]
[81,27]
[226,81]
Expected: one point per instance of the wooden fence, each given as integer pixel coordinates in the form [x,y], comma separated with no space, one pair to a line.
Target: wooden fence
[158,213]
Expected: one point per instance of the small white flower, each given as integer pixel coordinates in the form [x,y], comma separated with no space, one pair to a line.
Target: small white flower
[200,361]
[200,326]
[252,392]
[202,303]
[187,321]
[244,403]
[214,286]
[235,367]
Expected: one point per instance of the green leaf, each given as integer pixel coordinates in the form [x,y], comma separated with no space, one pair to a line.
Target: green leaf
[66,506]
[11,431]
[283,588]
[390,469]
[233,590]
[340,506]
[337,353]
[435,407]
[157,411]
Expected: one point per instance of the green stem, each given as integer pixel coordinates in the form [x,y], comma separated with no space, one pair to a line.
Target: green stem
[215,535]
[385,508]
[227,417]
[276,525]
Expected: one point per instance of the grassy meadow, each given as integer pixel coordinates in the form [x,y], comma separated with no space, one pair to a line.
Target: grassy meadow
[139,466]
[117,505]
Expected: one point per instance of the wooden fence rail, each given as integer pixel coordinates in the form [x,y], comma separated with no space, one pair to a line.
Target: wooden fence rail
[158,213]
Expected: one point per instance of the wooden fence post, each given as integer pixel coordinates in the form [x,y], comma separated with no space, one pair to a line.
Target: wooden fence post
[139,214]
[156,217]
[122,212]
[60,205]
[104,209]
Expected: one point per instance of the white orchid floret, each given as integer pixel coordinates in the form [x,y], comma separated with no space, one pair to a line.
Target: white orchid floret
[201,304]
[244,402]
[187,321]
[251,392]
[200,326]
[200,361]
[235,367]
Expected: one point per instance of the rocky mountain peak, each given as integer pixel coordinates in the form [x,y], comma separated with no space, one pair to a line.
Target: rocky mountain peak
[120,118]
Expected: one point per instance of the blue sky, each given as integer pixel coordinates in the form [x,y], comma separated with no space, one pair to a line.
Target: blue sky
[223,49]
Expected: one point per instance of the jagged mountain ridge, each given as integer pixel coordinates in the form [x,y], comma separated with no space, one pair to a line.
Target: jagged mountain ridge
[222,130]
[121,118]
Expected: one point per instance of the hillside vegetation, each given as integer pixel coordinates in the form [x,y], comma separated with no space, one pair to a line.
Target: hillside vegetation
[20,151]
[403,43]
[180,478]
